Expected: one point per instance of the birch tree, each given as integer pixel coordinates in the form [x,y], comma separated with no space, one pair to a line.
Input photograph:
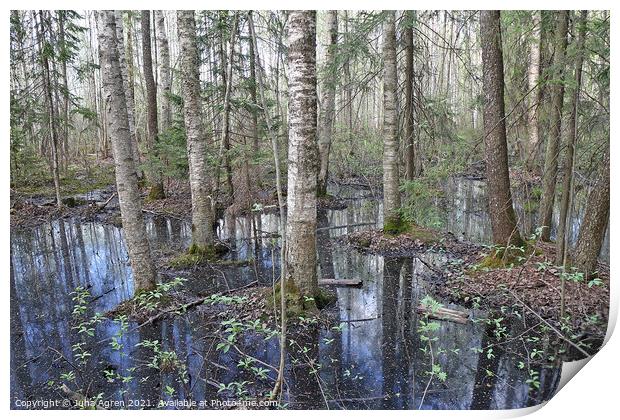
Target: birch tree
[126,178]
[302,153]
[533,75]
[164,70]
[202,232]
[328,102]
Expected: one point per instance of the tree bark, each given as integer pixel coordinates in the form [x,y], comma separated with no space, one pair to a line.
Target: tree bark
[409,111]
[592,232]
[391,182]
[157,187]
[533,75]
[567,181]
[202,232]
[328,103]
[227,71]
[303,153]
[128,91]
[130,95]
[126,179]
[164,69]
[503,220]
[550,174]
[51,108]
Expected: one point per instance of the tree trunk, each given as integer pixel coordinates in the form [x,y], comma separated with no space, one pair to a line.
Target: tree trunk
[409,111]
[51,108]
[503,220]
[550,174]
[164,69]
[128,92]
[253,98]
[126,179]
[303,153]
[157,187]
[130,96]
[65,94]
[202,232]
[391,194]
[227,71]
[592,232]
[328,103]
[567,182]
[533,75]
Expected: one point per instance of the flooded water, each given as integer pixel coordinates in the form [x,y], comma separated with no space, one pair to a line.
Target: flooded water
[377,353]
[468,217]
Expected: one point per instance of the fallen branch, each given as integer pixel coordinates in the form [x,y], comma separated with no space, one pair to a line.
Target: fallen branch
[340,282]
[102,206]
[555,330]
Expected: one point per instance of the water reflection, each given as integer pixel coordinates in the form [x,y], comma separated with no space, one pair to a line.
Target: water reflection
[372,357]
[468,218]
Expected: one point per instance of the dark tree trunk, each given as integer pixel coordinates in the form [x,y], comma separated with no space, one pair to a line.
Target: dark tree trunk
[391,181]
[567,182]
[592,232]
[550,174]
[503,220]
[410,169]
[157,187]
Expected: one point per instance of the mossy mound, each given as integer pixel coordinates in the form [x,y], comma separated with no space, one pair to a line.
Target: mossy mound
[156,192]
[196,255]
[297,304]
[399,226]
[512,256]
[395,226]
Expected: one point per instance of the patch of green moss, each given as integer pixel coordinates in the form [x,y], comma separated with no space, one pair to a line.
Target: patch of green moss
[530,206]
[536,193]
[323,298]
[194,256]
[156,192]
[292,297]
[297,304]
[505,258]
[422,234]
[363,242]
[395,225]
[74,180]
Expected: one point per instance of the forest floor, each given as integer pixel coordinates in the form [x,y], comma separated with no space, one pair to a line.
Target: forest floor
[533,285]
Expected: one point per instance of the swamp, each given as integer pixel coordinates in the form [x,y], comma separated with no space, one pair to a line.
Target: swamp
[221,209]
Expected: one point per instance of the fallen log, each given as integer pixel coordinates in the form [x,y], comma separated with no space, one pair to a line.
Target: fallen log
[444,314]
[340,282]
